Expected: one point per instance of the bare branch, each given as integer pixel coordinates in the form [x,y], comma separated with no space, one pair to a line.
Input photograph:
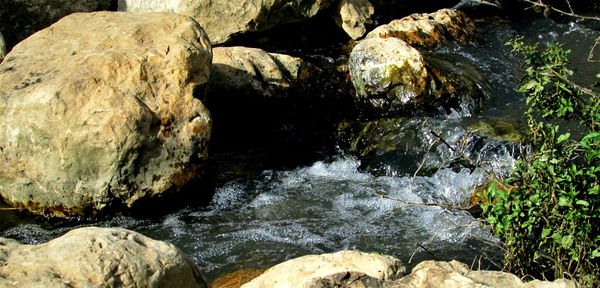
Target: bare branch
[539,3]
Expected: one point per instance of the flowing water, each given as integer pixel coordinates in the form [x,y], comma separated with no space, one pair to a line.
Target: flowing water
[338,202]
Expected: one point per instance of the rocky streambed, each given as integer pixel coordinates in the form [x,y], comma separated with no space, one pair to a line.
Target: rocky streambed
[248,147]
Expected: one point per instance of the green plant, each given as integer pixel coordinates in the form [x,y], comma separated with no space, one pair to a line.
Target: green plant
[548,220]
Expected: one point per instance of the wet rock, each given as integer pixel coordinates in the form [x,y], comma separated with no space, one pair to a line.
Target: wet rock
[387,73]
[236,279]
[250,71]
[306,270]
[354,15]
[97,257]
[223,19]
[428,30]
[401,146]
[21,18]
[2,48]
[456,274]
[99,110]
[346,280]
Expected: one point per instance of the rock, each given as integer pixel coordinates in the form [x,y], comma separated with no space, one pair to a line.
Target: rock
[307,270]
[455,274]
[250,71]
[354,15]
[387,72]
[428,30]
[2,48]
[24,17]
[98,111]
[346,280]
[401,146]
[236,279]
[97,257]
[223,19]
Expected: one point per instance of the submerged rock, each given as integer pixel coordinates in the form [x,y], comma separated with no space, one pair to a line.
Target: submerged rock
[400,146]
[98,110]
[21,18]
[2,48]
[250,71]
[97,257]
[223,19]
[354,15]
[305,271]
[428,30]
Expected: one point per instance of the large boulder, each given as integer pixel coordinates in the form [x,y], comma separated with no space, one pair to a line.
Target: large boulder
[428,29]
[455,274]
[2,48]
[353,17]
[305,271]
[223,19]
[98,110]
[242,71]
[21,18]
[97,257]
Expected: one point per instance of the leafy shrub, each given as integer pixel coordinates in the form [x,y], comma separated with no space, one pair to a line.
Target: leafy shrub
[548,220]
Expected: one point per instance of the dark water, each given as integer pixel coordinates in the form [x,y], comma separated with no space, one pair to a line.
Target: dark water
[332,204]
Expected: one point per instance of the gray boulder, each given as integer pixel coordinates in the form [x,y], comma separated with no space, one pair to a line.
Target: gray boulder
[97,257]
[223,19]
[98,110]
[353,17]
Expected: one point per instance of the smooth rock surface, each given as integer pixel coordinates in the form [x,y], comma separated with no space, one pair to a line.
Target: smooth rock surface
[21,18]
[354,15]
[2,48]
[98,110]
[387,72]
[241,70]
[428,29]
[455,274]
[223,19]
[97,257]
[305,270]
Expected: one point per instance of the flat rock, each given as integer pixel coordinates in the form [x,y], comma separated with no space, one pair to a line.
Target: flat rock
[305,271]
[242,70]
[98,110]
[223,19]
[97,257]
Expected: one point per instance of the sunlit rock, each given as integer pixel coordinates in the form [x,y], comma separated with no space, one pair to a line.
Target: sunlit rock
[97,257]
[223,19]
[236,279]
[354,15]
[98,110]
[2,48]
[241,70]
[387,72]
[21,18]
[428,30]
[305,270]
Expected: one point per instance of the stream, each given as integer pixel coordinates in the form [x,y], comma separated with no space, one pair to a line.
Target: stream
[340,200]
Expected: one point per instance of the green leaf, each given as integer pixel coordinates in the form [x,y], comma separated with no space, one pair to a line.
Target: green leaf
[583,203]
[564,201]
[566,241]
[563,137]
[546,232]
[596,253]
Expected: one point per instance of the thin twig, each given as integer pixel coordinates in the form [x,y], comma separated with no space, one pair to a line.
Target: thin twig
[591,55]
[543,5]
[447,207]
[9,209]
[583,89]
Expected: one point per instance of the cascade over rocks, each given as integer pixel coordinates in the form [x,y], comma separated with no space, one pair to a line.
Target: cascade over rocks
[21,18]
[354,15]
[428,30]
[97,257]
[98,110]
[223,19]
[252,71]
